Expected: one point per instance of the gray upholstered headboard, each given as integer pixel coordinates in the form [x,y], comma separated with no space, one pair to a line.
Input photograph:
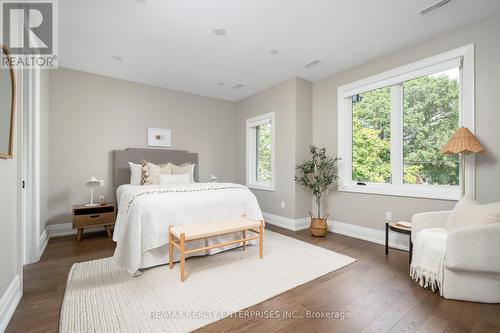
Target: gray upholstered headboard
[121,169]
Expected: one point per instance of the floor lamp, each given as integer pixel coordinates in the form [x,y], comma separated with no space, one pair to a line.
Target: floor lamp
[462,142]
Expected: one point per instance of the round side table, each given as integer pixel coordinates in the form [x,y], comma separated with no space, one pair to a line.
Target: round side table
[393,226]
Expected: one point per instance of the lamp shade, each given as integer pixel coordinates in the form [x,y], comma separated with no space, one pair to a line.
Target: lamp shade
[93,182]
[463,141]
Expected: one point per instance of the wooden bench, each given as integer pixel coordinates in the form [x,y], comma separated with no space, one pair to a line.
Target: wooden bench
[178,236]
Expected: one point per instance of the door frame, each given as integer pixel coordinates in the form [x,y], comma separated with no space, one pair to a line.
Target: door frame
[30,168]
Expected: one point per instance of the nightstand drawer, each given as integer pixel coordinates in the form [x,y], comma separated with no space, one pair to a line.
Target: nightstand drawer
[94,219]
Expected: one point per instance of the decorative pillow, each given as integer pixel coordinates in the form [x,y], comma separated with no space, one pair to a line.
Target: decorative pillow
[468,212]
[151,172]
[180,179]
[135,173]
[184,168]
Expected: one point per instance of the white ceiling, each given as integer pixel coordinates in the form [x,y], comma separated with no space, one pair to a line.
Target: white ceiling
[170,43]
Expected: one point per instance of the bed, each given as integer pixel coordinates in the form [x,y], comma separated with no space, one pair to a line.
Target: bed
[145,212]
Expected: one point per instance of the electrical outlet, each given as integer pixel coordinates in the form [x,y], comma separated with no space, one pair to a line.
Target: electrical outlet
[101,181]
[283,204]
[388,216]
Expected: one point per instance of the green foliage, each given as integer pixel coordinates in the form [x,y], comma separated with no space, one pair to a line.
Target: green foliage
[431,110]
[371,158]
[264,151]
[430,117]
[318,173]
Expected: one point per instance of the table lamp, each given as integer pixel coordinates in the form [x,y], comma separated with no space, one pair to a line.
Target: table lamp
[92,183]
[462,142]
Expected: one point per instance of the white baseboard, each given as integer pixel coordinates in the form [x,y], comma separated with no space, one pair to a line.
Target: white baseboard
[285,222]
[396,240]
[44,240]
[66,229]
[9,301]
[58,230]
[61,229]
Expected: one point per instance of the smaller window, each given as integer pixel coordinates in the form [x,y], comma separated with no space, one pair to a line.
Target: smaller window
[260,152]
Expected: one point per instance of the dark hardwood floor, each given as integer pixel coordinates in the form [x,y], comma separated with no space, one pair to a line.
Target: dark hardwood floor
[375,293]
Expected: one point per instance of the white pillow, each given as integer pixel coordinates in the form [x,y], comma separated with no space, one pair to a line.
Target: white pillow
[180,179]
[151,172]
[135,173]
[468,212]
[183,168]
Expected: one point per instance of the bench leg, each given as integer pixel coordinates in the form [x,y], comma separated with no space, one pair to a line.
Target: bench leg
[244,242]
[183,259]
[170,249]
[261,239]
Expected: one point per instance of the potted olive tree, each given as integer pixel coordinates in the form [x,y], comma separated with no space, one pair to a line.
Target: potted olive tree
[317,175]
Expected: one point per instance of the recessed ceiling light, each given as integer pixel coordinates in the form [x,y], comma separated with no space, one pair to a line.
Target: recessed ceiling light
[219,31]
[312,63]
[238,86]
[274,52]
[118,58]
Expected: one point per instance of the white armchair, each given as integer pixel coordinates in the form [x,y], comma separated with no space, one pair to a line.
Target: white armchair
[472,258]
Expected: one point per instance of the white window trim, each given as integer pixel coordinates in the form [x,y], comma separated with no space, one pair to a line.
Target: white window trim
[390,78]
[251,123]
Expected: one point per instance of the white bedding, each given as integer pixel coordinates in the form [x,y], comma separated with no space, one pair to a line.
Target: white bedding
[141,229]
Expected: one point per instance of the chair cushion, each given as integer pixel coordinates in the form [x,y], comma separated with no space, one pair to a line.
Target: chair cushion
[468,212]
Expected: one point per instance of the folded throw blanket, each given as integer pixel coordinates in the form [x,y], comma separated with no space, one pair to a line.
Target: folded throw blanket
[428,258]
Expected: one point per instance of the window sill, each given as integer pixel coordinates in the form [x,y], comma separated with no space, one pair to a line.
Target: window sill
[414,191]
[262,187]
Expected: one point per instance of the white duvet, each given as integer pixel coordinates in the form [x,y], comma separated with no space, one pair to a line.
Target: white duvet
[145,212]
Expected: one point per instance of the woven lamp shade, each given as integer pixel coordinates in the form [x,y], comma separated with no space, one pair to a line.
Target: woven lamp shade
[463,141]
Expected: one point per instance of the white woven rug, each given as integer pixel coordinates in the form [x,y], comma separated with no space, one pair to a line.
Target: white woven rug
[101,297]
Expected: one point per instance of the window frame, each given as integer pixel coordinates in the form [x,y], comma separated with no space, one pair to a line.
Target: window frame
[394,79]
[251,152]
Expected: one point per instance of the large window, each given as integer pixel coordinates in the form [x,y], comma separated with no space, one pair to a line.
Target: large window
[260,152]
[392,127]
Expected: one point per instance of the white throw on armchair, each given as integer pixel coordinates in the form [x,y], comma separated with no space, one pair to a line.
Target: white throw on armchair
[471,267]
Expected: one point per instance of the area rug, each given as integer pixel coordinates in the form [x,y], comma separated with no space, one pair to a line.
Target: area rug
[102,297]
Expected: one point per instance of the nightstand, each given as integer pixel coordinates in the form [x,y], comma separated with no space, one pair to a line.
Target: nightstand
[102,215]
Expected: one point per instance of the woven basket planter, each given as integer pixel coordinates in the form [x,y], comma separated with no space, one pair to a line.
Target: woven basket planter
[319,226]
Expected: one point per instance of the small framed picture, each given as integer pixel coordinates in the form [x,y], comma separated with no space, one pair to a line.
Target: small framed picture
[159,137]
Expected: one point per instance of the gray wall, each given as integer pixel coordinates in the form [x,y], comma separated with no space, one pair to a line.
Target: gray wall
[5,111]
[291,102]
[92,115]
[10,223]
[303,140]
[369,210]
